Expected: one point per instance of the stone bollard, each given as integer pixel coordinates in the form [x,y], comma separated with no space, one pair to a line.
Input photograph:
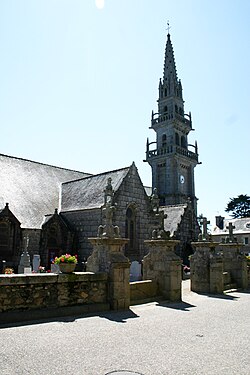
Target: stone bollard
[162,265]
[108,257]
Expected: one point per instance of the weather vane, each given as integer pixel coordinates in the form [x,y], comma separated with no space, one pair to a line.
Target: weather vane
[168,27]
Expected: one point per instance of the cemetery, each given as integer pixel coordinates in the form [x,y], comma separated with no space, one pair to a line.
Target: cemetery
[112,282]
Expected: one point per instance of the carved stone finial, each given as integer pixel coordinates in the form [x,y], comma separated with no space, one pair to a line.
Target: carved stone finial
[108,192]
[108,229]
[155,201]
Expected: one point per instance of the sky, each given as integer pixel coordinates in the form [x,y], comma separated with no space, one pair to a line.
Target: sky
[79,79]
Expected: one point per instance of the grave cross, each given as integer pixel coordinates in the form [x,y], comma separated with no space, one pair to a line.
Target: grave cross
[230,228]
[205,235]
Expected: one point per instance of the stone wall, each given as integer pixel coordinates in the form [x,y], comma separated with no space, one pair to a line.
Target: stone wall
[218,267]
[45,291]
[143,291]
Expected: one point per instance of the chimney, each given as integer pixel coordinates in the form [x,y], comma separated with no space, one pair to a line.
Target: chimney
[219,221]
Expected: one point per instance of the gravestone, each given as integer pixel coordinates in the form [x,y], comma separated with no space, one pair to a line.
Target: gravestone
[36,262]
[54,268]
[135,271]
[24,264]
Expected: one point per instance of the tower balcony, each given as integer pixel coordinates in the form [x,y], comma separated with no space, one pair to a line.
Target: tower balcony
[158,119]
[172,149]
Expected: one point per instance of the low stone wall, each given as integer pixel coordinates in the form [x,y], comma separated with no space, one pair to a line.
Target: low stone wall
[51,291]
[143,291]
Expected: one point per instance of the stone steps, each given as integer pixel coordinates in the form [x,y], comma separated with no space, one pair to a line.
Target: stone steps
[229,285]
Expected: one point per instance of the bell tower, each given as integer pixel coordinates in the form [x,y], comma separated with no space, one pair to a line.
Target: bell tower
[170,157]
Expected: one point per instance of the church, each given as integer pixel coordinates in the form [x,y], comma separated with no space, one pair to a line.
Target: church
[60,209]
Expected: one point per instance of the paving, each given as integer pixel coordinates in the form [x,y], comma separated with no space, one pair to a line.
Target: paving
[203,334]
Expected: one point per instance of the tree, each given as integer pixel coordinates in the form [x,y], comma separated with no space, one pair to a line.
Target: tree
[239,206]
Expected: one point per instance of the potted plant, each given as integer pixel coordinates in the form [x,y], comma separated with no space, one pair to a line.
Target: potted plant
[66,262]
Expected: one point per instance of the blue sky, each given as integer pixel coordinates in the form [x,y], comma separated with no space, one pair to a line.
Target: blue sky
[78,84]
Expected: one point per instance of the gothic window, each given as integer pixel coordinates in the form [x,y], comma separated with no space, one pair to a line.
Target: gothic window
[176,108]
[165,91]
[130,229]
[165,110]
[177,139]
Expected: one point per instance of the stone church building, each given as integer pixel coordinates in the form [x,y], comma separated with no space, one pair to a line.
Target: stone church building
[59,209]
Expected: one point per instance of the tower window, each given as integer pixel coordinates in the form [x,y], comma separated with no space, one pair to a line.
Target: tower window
[165,109]
[176,108]
[183,142]
[177,139]
[164,139]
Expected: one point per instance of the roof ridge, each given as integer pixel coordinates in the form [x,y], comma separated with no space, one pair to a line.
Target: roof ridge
[95,175]
[45,164]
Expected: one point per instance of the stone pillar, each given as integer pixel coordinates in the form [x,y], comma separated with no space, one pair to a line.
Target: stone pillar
[216,274]
[164,266]
[200,274]
[235,263]
[108,257]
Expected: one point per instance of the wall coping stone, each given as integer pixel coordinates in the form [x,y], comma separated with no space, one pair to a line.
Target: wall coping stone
[50,278]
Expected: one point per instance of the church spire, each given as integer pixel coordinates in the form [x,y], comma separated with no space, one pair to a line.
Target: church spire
[169,73]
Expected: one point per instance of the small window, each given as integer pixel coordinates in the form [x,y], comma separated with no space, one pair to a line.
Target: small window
[177,139]
[246,241]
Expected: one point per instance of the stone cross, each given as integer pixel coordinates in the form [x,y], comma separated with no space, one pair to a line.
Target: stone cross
[204,236]
[230,228]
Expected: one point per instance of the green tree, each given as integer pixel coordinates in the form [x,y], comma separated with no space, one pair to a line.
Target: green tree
[239,206]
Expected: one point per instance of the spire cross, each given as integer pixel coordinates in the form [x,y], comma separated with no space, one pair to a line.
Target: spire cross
[168,27]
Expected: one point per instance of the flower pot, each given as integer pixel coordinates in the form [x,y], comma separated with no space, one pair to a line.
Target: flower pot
[67,267]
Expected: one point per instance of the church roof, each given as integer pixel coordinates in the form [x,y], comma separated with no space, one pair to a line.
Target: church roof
[88,192]
[174,217]
[31,188]
[242,225]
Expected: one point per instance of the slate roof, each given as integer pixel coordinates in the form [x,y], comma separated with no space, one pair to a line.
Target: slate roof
[148,190]
[31,188]
[88,192]
[174,216]
[241,226]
